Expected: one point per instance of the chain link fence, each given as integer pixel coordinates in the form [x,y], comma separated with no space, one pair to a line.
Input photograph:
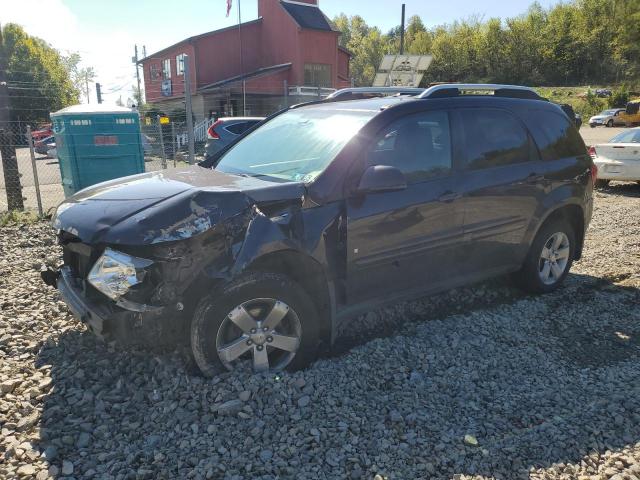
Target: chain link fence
[31,177]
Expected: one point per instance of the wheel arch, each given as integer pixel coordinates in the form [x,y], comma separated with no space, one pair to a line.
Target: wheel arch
[575,214]
[310,275]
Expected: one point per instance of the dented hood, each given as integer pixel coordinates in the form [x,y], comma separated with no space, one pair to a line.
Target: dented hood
[165,206]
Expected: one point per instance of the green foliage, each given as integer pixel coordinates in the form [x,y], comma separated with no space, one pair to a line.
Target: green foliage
[583,102]
[572,43]
[367,44]
[619,98]
[16,218]
[39,82]
[80,76]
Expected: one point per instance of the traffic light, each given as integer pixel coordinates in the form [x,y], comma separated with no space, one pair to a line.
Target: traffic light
[98,93]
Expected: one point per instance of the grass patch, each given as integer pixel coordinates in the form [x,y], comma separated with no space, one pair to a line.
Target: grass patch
[16,217]
[585,105]
[575,96]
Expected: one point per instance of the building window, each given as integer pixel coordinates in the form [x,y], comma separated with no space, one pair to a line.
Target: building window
[154,71]
[317,75]
[166,68]
[180,64]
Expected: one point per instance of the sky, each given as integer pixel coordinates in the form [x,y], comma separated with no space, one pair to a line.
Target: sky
[105,33]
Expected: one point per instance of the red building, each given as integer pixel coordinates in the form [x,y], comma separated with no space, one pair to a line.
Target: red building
[291,50]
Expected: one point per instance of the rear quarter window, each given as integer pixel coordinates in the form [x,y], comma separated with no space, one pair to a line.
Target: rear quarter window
[555,135]
[493,138]
[236,128]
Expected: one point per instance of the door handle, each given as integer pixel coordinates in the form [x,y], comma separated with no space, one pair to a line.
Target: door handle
[449,196]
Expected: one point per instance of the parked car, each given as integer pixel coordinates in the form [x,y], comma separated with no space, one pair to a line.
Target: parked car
[619,159]
[608,118]
[603,92]
[226,130]
[41,146]
[43,131]
[326,211]
[631,115]
[52,152]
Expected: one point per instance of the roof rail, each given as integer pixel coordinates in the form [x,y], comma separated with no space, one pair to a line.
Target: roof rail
[455,89]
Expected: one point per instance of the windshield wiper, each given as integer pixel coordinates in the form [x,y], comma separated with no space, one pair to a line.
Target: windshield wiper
[271,174]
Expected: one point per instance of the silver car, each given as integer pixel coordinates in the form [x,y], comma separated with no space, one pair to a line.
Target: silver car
[607,118]
[226,130]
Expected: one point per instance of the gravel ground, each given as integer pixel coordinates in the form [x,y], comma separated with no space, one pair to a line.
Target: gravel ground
[480,382]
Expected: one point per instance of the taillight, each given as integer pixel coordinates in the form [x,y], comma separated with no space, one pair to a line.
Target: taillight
[592,152]
[211,132]
[594,173]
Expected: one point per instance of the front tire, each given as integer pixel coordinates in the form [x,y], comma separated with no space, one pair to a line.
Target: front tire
[610,123]
[262,321]
[550,258]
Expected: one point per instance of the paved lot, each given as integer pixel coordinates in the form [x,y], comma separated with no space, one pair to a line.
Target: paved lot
[593,136]
[481,382]
[48,172]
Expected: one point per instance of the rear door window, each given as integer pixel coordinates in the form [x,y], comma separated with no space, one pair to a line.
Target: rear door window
[493,138]
[555,135]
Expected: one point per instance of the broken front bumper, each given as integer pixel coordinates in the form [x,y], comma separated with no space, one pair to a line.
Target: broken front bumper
[94,315]
[140,324]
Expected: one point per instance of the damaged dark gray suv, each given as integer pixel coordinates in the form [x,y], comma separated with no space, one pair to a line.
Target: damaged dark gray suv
[324,211]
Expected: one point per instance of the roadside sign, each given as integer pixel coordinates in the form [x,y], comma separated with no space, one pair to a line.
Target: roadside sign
[164,120]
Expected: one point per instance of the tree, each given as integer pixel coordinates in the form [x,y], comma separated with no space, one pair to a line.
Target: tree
[38,81]
[575,42]
[367,44]
[80,76]
[137,96]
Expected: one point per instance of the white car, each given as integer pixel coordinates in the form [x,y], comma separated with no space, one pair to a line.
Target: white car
[619,159]
[608,118]
[52,151]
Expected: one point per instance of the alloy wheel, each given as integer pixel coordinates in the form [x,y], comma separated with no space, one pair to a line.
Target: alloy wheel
[265,332]
[554,258]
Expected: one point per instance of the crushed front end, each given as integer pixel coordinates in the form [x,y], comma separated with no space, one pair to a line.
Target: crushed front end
[121,295]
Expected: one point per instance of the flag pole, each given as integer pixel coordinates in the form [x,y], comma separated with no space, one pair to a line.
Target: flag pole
[244,85]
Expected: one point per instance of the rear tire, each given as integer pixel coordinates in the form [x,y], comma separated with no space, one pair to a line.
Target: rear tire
[549,259]
[602,183]
[257,296]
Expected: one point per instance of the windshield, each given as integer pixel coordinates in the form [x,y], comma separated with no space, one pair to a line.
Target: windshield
[630,136]
[295,146]
[608,112]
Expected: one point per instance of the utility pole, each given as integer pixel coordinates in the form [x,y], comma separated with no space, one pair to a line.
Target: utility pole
[402,31]
[99,92]
[187,101]
[135,60]
[86,85]
[7,145]
[244,83]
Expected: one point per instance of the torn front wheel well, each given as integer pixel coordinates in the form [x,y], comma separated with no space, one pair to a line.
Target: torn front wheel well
[307,273]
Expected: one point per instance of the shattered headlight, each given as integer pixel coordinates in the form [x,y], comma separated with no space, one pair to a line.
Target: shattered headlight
[114,273]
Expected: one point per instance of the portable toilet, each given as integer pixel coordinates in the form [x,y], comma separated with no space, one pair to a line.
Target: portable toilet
[96,143]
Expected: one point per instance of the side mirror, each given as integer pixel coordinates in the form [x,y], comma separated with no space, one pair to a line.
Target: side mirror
[382,178]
